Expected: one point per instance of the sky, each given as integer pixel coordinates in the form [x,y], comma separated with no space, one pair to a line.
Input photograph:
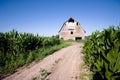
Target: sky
[46,17]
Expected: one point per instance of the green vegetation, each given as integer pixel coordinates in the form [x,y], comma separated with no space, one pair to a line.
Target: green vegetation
[102,54]
[44,74]
[18,49]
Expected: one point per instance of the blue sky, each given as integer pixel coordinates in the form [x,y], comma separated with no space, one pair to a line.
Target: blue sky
[46,17]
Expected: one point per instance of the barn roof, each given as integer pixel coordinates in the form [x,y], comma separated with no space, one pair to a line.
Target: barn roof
[70,20]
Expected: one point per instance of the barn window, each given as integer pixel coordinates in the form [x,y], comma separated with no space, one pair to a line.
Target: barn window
[77,23]
[71,20]
[78,38]
[71,32]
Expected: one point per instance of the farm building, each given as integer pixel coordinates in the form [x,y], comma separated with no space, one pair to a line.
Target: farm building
[71,29]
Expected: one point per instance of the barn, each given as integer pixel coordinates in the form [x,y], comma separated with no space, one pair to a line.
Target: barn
[71,30]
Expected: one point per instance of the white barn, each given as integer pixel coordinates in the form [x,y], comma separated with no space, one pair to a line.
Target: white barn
[71,29]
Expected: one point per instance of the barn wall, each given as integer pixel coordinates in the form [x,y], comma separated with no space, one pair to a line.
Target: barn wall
[67,30]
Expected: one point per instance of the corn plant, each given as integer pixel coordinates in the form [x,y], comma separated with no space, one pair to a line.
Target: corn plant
[17,49]
[102,53]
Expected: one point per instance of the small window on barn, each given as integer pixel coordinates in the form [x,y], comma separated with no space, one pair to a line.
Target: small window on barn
[71,20]
[77,23]
[78,38]
[71,32]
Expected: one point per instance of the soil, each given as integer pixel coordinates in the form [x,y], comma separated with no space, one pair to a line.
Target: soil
[64,64]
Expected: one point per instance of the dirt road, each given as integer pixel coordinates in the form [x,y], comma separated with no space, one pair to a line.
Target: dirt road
[64,64]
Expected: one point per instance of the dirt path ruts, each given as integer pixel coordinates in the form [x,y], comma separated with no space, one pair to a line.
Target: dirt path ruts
[63,65]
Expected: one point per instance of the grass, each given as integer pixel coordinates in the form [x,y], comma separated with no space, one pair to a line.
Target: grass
[44,74]
[48,51]
[86,73]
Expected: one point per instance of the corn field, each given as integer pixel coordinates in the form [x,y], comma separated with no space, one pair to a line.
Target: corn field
[18,49]
[102,53]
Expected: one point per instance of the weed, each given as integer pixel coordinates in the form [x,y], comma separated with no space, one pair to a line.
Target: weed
[44,74]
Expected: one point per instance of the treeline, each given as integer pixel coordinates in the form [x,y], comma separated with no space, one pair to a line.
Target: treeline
[102,53]
[18,49]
